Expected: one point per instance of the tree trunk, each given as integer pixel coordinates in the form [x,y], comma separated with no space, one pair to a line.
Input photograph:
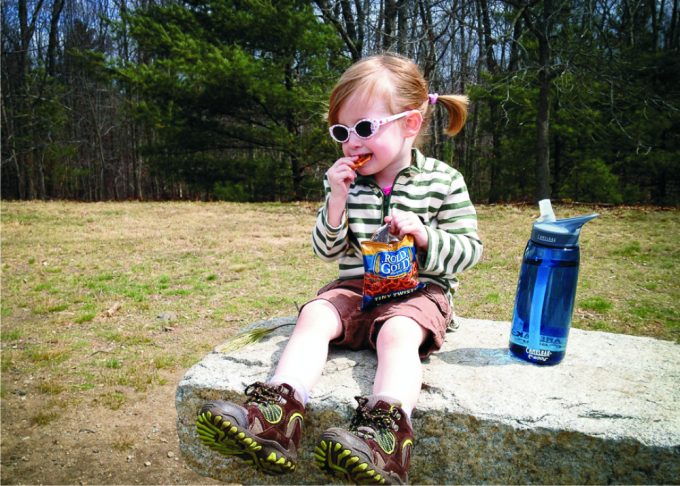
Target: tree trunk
[402,26]
[674,31]
[24,156]
[57,8]
[543,114]
[389,23]
[494,109]
[429,40]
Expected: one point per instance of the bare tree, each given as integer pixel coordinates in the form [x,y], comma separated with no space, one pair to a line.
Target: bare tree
[487,47]
[57,8]
[349,22]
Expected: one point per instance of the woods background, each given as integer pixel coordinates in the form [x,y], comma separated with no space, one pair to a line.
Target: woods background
[222,99]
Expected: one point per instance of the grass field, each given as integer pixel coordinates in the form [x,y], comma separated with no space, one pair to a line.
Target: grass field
[105,304]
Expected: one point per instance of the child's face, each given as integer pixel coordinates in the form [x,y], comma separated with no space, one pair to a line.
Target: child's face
[390,146]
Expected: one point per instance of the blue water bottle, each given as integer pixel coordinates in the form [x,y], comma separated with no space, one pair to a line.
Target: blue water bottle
[546,289]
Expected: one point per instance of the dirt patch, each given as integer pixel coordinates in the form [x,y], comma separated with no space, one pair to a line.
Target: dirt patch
[93,444]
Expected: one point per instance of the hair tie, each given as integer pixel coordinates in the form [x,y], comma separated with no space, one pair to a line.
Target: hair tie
[433,98]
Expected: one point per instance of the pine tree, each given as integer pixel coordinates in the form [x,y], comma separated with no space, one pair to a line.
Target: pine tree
[234,89]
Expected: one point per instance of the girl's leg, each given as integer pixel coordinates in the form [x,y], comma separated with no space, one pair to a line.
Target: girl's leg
[270,442]
[399,373]
[306,352]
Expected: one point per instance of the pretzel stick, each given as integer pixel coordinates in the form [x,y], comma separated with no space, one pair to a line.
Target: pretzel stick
[361,161]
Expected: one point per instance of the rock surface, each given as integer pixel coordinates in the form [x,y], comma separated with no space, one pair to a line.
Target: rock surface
[609,413]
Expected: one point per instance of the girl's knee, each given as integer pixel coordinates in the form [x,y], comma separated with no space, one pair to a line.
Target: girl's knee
[318,310]
[319,316]
[401,331]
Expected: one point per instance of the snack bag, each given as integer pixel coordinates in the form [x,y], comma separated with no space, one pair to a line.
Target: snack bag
[390,267]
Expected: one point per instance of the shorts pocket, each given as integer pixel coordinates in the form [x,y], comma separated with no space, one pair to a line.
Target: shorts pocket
[436,294]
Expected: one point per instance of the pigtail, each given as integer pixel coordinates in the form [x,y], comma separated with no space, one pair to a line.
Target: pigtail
[456,107]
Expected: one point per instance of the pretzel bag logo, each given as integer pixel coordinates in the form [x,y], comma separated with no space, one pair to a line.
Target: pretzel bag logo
[390,270]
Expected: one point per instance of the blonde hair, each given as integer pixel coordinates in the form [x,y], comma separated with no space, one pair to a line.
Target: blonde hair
[401,83]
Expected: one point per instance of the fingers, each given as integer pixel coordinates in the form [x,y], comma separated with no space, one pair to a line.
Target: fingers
[343,166]
[400,221]
[404,223]
[405,226]
[341,175]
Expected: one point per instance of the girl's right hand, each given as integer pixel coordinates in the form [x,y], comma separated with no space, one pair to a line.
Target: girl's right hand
[340,177]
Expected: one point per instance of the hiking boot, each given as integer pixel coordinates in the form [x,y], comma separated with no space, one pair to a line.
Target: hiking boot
[265,432]
[375,450]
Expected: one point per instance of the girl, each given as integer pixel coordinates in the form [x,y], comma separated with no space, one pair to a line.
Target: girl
[378,111]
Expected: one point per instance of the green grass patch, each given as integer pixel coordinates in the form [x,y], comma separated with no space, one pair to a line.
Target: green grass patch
[9,335]
[602,326]
[164,362]
[84,386]
[163,282]
[114,399]
[51,387]
[493,298]
[46,355]
[43,286]
[7,363]
[136,339]
[86,317]
[630,249]
[57,308]
[596,304]
[649,311]
[113,364]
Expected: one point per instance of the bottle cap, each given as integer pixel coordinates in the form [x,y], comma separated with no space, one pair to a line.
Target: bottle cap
[561,232]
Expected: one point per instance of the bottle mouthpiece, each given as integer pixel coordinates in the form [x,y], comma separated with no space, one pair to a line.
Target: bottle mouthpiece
[547,213]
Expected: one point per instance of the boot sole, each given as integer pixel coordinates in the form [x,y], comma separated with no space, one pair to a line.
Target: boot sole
[341,462]
[231,440]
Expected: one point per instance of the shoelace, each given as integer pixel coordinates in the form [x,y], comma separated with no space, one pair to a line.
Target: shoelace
[366,418]
[259,392]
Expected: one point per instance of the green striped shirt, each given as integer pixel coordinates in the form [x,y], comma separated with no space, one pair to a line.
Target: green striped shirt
[429,188]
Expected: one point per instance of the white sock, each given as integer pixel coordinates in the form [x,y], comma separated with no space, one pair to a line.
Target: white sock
[295,383]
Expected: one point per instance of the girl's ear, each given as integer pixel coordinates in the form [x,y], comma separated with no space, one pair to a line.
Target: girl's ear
[412,124]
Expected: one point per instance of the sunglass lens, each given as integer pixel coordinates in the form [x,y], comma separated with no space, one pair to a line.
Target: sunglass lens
[364,129]
[340,133]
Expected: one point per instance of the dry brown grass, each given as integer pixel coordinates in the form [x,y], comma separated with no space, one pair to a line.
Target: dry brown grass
[173,277]
[178,277]
[104,304]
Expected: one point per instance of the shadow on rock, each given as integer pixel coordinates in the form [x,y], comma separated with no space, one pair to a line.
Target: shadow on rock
[479,357]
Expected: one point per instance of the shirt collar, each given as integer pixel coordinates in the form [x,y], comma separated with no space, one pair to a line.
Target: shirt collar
[417,164]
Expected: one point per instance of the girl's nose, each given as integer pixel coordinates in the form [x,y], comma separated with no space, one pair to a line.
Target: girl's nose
[354,140]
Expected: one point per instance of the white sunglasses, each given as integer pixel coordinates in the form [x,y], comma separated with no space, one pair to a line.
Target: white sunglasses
[364,129]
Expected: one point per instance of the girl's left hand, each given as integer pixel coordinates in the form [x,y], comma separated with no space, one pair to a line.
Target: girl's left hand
[406,223]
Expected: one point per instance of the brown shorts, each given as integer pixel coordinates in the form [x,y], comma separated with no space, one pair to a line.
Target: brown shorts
[429,307]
